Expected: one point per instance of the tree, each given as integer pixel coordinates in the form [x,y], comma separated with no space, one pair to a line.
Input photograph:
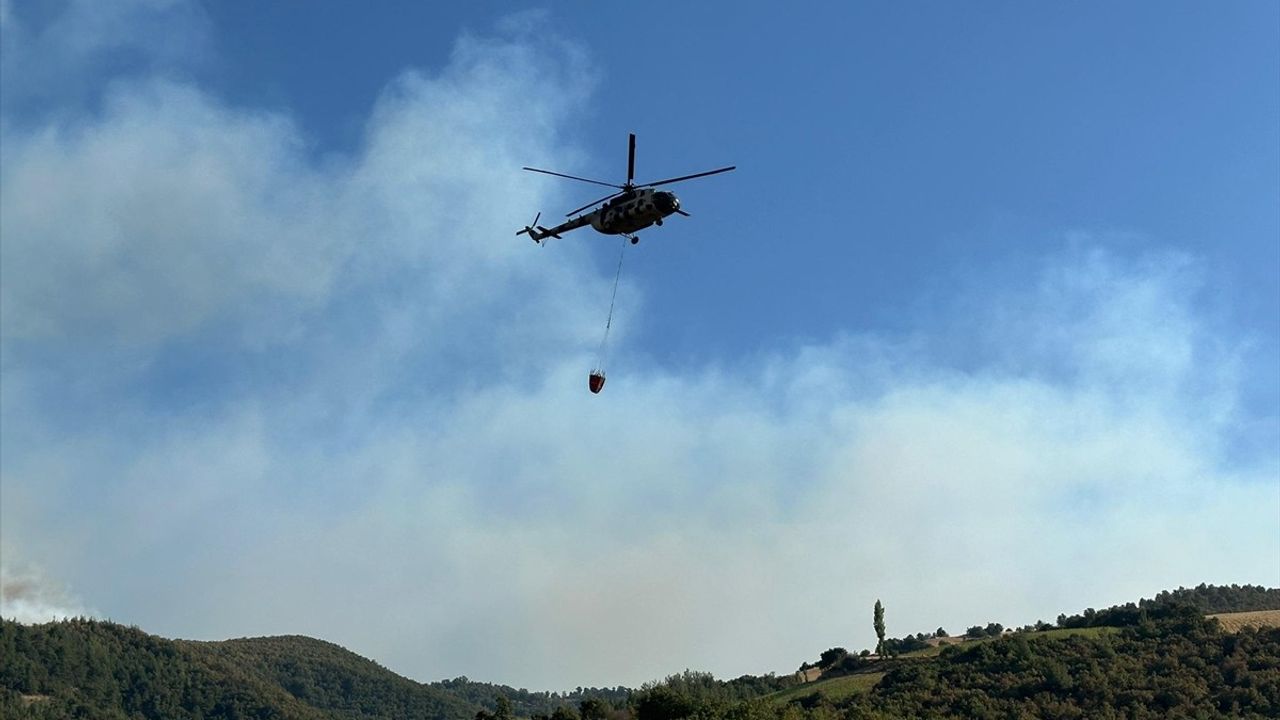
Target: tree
[831,657]
[593,709]
[879,622]
[504,711]
[663,703]
[564,712]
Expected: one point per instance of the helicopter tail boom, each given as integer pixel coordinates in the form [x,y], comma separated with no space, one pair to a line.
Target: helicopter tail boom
[536,231]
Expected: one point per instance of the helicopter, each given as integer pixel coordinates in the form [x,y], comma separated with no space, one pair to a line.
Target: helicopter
[625,212]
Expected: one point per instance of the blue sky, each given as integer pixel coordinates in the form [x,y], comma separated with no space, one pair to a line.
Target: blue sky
[989,312]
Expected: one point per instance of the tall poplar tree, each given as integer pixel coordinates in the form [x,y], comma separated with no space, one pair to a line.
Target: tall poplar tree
[879,620]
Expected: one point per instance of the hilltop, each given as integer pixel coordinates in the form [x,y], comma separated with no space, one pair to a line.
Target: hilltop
[93,668]
[1152,658]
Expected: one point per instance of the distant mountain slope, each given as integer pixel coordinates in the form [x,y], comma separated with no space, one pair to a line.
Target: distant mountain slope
[333,679]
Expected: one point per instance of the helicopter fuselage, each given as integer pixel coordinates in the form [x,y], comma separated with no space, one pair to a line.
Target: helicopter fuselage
[633,211]
[627,214]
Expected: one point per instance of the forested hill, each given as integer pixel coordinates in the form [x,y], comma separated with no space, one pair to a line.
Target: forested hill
[92,669]
[96,669]
[1153,658]
[330,678]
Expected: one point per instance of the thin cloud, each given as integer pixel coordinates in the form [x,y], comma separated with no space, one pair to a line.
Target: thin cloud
[50,68]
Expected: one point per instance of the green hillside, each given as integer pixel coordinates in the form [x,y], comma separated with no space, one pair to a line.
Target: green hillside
[832,689]
[1180,665]
[1156,658]
[332,679]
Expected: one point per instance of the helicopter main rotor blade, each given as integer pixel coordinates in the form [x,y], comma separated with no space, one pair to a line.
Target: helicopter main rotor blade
[572,177]
[593,202]
[689,177]
[631,159]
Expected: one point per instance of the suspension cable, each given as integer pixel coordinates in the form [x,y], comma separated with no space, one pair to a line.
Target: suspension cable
[600,356]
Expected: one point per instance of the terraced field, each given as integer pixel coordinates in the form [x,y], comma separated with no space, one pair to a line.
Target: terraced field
[1064,632]
[837,688]
[1233,622]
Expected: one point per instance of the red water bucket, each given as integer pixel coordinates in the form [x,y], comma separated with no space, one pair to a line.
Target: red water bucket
[595,381]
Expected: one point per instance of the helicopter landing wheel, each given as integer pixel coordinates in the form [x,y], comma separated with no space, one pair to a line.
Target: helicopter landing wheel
[635,239]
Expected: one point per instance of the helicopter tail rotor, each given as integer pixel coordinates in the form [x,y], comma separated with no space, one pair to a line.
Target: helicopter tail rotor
[534,230]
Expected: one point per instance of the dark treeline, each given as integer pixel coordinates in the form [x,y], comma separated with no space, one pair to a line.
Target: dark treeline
[677,696]
[1222,598]
[526,703]
[703,687]
[1207,599]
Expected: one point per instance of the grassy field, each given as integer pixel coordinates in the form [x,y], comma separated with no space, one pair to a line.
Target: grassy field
[1064,632]
[1233,622]
[833,689]
[1055,633]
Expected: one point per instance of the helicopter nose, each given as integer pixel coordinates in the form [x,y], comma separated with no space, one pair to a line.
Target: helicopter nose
[667,202]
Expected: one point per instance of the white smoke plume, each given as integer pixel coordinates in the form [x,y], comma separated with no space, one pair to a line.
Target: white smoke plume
[28,596]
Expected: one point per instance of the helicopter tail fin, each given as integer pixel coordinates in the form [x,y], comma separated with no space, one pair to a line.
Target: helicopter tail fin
[535,234]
